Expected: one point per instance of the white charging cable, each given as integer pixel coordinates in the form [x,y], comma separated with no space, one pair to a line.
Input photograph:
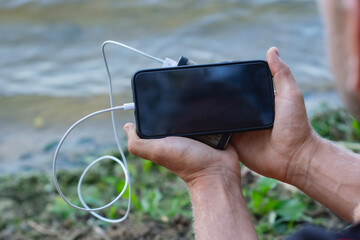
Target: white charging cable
[123,164]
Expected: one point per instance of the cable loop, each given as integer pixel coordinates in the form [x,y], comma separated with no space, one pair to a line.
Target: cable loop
[122,163]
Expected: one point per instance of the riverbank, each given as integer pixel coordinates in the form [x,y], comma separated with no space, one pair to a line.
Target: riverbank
[31,127]
[32,209]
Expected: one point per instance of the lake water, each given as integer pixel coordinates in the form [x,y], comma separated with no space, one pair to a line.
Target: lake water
[52,72]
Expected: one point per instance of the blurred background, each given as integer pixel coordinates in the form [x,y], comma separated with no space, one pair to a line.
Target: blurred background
[52,72]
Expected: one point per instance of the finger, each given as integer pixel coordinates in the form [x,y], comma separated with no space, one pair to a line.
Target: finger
[143,148]
[357,214]
[283,78]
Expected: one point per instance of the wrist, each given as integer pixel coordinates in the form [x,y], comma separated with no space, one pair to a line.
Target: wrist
[330,175]
[220,210]
[224,190]
[300,164]
[208,179]
[217,189]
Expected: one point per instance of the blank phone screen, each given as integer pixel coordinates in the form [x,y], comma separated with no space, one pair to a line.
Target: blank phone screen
[203,99]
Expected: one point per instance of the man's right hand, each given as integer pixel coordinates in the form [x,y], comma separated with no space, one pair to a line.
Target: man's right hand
[292,152]
[277,152]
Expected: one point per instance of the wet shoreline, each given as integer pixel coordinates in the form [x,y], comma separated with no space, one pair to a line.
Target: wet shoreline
[31,126]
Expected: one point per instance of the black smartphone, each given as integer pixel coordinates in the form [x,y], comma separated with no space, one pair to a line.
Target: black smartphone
[205,99]
[219,140]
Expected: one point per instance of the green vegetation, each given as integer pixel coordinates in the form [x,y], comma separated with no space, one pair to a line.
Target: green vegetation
[337,125]
[32,209]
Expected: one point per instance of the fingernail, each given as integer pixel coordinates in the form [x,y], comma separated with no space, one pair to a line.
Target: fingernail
[126,129]
[277,52]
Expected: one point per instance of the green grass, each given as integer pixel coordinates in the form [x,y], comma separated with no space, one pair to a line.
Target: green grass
[337,125]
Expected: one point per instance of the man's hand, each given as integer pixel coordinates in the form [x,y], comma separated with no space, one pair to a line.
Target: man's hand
[187,158]
[213,179]
[293,153]
[276,152]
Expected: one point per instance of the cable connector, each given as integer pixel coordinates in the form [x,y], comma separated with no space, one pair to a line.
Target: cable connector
[169,63]
[129,106]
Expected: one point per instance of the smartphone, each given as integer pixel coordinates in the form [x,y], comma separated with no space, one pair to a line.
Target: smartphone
[218,141]
[205,99]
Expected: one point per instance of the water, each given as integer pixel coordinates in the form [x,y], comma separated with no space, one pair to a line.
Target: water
[50,56]
[51,47]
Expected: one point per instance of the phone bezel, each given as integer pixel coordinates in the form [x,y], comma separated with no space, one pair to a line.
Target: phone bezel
[136,113]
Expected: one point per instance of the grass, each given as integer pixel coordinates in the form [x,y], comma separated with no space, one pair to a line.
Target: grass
[32,209]
[337,125]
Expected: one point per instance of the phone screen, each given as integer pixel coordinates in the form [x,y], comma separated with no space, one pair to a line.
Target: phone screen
[203,99]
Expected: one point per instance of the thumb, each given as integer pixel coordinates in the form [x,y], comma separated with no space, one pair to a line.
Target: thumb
[142,148]
[283,78]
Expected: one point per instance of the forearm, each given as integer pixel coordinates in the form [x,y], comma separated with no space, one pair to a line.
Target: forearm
[330,175]
[220,210]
